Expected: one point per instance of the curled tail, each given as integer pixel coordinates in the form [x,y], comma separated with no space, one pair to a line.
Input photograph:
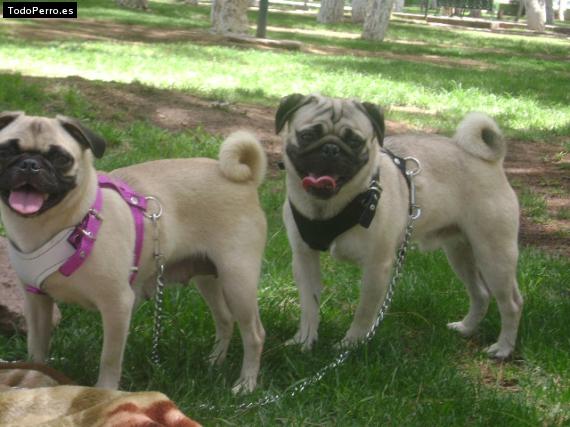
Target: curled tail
[242,158]
[479,135]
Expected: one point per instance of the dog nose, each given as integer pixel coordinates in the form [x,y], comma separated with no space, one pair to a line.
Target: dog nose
[330,150]
[31,166]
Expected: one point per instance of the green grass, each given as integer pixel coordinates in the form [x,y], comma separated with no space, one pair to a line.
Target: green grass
[533,205]
[415,371]
[522,81]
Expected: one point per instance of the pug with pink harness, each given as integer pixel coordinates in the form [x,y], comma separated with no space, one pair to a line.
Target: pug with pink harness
[81,237]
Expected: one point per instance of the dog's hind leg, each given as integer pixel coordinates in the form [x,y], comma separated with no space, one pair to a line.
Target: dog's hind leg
[212,293]
[498,265]
[39,311]
[116,316]
[460,256]
[238,278]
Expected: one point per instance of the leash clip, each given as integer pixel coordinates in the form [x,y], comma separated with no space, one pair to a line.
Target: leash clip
[415,210]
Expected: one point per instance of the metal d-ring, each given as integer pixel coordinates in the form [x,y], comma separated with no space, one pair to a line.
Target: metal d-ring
[418,168]
[160,210]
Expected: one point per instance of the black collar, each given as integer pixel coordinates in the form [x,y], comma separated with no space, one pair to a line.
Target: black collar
[319,234]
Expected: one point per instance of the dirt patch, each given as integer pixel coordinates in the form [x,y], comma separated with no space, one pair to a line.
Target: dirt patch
[541,168]
[88,29]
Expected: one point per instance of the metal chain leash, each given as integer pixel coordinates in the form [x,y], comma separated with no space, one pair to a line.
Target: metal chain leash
[159,292]
[292,391]
[344,354]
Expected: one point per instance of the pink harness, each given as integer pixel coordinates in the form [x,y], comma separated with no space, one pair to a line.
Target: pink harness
[83,237]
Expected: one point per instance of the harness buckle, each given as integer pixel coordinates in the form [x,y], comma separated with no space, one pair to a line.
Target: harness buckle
[86,233]
[375,187]
[95,214]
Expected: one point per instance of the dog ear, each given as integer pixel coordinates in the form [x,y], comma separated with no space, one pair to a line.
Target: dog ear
[83,135]
[287,107]
[8,117]
[376,117]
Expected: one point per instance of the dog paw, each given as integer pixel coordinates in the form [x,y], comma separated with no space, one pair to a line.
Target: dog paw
[500,352]
[348,342]
[306,343]
[217,357]
[461,328]
[244,385]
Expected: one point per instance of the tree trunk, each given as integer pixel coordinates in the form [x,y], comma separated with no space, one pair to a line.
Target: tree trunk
[549,13]
[398,5]
[562,9]
[535,15]
[229,16]
[331,11]
[377,19]
[522,8]
[359,10]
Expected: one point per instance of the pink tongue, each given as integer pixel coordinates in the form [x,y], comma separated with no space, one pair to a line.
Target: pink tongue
[327,182]
[26,202]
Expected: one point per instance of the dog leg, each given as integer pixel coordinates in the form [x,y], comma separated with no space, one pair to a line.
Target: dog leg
[212,293]
[38,311]
[307,275]
[116,317]
[239,286]
[374,283]
[461,258]
[498,269]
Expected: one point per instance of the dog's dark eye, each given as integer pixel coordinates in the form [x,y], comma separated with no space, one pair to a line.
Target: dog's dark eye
[8,149]
[352,139]
[59,158]
[62,161]
[309,135]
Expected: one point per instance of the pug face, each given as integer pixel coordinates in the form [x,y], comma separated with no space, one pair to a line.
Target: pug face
[328,140]
[39,160]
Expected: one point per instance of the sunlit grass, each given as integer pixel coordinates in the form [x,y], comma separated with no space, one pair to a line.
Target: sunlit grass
[524,108]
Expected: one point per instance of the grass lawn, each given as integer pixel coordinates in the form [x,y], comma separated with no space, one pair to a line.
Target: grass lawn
[415,371]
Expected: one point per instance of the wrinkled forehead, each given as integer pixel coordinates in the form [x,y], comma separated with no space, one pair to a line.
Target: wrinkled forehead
[38,134]
[334,115]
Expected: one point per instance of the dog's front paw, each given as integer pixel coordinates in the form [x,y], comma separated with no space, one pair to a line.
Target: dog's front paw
[349,341]
[219,352]
[306,341]
[244,385]
[498,351]
[460,327]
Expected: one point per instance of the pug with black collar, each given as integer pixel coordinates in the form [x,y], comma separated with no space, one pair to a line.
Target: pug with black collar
[336,159]
[79,237]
